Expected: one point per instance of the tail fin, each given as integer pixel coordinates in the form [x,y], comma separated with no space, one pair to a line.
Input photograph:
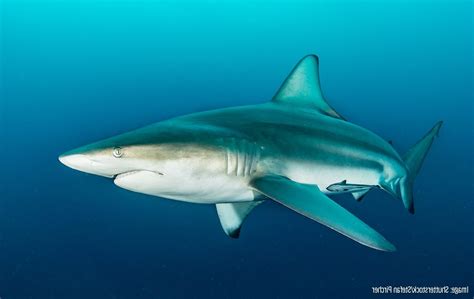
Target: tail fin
[413,160]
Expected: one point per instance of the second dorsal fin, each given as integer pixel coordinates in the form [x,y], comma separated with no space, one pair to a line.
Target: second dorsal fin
[302,88]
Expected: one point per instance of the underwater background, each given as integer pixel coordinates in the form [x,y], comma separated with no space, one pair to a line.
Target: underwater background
[73,72]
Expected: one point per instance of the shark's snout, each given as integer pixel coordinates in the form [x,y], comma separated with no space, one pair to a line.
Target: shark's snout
[84,163]
[75,161]
[80,162]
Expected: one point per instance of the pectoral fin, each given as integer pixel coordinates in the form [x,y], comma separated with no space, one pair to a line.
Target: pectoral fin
[232,215]
[312,203]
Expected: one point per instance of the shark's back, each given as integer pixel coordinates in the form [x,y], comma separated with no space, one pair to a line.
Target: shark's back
[294,131]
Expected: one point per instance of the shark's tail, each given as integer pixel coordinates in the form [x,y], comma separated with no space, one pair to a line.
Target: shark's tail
[413,161]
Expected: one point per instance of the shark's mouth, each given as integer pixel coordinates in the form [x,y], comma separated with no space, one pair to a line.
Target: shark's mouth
[128,173]
[143,181]
[124,174]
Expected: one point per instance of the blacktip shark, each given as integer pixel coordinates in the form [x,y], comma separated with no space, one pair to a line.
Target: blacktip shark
[295,150]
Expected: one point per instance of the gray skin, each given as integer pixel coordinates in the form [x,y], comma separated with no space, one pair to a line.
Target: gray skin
[292,150]
[211,157]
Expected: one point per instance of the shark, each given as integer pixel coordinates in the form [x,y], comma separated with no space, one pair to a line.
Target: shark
[295,150]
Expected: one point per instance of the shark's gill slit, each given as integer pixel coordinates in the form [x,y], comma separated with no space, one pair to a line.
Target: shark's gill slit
[227,157]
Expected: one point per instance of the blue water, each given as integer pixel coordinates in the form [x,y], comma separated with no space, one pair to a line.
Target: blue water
[77,71]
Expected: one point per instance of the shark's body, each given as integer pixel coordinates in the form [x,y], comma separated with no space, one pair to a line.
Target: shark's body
[293,150]
[296,143]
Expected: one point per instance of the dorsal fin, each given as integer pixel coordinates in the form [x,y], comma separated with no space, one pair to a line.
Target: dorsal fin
[302,88]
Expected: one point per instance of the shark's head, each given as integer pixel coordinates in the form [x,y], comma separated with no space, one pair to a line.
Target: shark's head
[113,156]
[156,160]
[103,158]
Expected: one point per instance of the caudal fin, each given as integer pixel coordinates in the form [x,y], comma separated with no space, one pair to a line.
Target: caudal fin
[413,160]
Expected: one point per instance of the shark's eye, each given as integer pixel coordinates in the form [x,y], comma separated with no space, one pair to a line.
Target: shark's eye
[117,152]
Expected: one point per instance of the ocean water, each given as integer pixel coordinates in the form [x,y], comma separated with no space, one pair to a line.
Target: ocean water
[77,71]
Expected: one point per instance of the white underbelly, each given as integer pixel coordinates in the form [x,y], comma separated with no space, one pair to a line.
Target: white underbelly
[196,189]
